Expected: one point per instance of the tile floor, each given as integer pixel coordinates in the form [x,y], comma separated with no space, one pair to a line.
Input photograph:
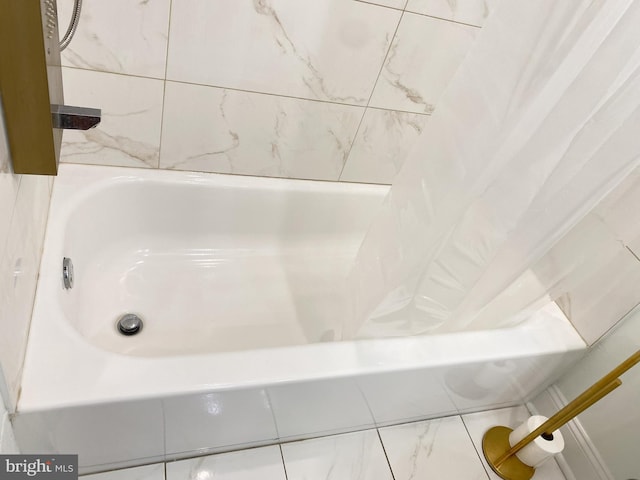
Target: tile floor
[444,449]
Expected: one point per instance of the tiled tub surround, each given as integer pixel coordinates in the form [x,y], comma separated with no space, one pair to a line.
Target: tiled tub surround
[227,131]
[445,449]
[239,282]
[332,90]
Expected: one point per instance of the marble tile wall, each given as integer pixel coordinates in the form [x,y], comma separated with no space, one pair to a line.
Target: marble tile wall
[332,90]
[24,205]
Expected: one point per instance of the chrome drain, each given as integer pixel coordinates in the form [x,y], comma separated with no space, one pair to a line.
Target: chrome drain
[129,324]
[67,273]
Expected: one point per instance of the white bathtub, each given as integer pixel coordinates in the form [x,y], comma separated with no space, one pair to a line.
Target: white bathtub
[240,283]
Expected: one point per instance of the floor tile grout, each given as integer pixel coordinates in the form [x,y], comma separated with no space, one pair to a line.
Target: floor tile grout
[386,456]
[284,464]
[474,447]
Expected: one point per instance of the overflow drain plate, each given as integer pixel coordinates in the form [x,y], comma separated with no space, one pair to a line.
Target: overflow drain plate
[129,324]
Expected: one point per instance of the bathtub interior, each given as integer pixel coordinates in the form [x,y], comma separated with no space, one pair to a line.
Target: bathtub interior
[211,264]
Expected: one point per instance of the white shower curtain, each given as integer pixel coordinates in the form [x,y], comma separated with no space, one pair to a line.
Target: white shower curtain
[539,123]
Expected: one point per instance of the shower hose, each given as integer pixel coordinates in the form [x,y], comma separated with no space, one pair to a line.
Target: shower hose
[73,25]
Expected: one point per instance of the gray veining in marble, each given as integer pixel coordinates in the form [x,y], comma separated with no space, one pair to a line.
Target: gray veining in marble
[129,133]
[437,448]
[328,50]
[423,58]
[227,131]
[119,36]
[381,145]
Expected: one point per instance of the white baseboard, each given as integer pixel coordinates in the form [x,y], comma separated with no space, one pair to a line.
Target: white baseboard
[580,459]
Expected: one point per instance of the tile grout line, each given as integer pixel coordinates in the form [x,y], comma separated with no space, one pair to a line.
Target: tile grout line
[206,172]
[371,107]
[448,20]
[284,464]
[384,450]
[632,252]
[164,84]
[435,17]
[373,89]
[382,6]
[255,92]
[474,447]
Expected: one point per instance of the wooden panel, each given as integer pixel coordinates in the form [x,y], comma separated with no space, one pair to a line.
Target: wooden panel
[30,80]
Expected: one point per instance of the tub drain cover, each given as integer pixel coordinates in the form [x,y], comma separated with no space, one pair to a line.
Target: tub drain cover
[129,324]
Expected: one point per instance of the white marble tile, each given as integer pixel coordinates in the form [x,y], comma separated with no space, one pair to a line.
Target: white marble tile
[19,266]
[354,455]
[129,133]
[330,50]
[437,448]
[594,306]
[264,463]
[423,58]
[478,423]
[118,36]
[473,12]
[573,275]
[381,145]
[146,472]
[227,131]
